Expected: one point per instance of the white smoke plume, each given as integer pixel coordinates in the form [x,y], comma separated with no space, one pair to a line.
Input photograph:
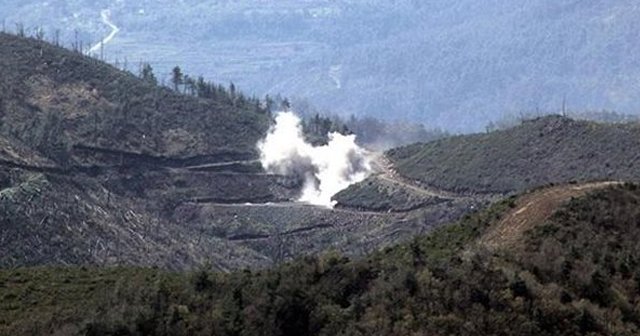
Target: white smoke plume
[326,169]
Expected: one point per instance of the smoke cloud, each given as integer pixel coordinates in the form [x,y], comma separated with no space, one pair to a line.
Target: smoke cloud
[326,169]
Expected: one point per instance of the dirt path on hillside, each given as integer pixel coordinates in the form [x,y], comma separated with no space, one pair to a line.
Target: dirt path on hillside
[288,205]
[106,19]
[204,167]
[387,173]
[533,209]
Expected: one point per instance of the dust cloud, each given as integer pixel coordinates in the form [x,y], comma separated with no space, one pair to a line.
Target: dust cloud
[326,170]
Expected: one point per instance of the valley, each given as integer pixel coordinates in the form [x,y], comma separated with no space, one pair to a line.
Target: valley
[431,62]
[152,185]
[133,207]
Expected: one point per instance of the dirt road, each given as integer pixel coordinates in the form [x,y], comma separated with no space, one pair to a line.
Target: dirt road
[106,19]
[386,173]
[533,209]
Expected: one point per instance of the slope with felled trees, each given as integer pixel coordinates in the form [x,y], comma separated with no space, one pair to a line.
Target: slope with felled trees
[96,105]
[94,160]
[100,167]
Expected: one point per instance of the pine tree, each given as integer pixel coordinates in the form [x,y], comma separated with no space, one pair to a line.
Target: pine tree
[286,105]
[201,87]
[146,73]
[177,78]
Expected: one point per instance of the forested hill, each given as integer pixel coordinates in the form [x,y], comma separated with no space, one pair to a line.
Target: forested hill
[551,149]
[57,100]
[556,261]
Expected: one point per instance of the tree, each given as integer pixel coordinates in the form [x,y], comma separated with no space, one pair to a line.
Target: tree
[286,105]
[39,33]
[189,85]
[56,38]
[598,289]
[176,78]
[146,73]
[269,103]
[20,30]
[201,87]
[232,93]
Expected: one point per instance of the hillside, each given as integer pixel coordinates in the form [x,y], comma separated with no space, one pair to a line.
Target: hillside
[573,272]
[82,101]
[456,65]
[388,191]
[100,167]
[93,159]
[546,150]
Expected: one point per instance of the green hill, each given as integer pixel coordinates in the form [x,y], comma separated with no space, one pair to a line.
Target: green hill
[573,271]
[547,150]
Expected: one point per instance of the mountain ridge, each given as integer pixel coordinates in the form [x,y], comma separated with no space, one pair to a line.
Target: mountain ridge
[552,149]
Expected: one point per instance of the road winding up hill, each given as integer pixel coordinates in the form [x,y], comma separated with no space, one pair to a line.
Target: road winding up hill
[532,210]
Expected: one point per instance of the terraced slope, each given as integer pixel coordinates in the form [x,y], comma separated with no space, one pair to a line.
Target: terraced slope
[389,191]
[98,167]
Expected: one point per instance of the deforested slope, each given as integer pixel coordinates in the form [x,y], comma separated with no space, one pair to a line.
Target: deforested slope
[102,167]
[50,97]
[94,160]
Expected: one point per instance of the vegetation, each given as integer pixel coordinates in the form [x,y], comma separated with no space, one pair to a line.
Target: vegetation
[94,161]
[133,173]
[551,149]
[375,194]
[445,283]
[79,100]
[112,169]
[372,133]
[603,116]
